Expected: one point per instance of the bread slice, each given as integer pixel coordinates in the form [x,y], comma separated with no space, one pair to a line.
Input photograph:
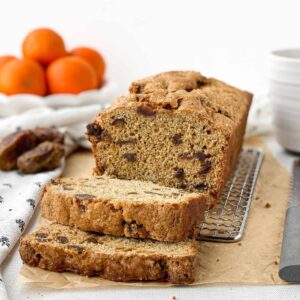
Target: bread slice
[123,207]
[177,129]
[62,248]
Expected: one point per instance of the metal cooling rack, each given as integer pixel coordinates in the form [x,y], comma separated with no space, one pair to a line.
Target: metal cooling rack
[226,221]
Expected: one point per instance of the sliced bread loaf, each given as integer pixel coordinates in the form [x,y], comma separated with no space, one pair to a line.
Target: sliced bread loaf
[62,248]
[123,207]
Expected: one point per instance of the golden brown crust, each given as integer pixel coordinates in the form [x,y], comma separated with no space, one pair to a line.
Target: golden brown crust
[141,218]
[171,81]
[189,92]
[60,248]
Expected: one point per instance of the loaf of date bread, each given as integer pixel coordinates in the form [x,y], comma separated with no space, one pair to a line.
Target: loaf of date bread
[177,129]
[118,207]
[62,248]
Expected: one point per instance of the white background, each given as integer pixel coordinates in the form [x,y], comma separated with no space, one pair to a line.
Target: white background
[228,39]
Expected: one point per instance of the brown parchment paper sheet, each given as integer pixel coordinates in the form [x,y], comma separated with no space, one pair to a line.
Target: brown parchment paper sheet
[254,260]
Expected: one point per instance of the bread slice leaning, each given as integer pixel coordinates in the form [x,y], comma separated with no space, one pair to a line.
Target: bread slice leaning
[123,208]
[62,248]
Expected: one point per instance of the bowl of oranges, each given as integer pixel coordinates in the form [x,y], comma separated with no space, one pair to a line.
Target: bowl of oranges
[49,74]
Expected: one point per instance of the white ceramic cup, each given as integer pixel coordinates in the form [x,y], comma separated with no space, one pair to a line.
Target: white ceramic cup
[284,92]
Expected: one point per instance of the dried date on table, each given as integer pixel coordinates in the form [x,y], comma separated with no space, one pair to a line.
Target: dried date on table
[12,146]
[48,134]
[46,156]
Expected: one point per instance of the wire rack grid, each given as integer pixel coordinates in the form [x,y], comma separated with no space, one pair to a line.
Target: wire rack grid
[226,221]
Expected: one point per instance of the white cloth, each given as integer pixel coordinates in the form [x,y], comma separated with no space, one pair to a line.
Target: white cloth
[260,117]
[19,194]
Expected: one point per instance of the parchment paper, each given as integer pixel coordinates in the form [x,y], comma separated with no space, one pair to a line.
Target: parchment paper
[254,260]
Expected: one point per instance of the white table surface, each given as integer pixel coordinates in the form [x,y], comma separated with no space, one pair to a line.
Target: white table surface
[19,291]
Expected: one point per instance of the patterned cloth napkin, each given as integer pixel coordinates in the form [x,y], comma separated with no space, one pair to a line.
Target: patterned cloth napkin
[19,193]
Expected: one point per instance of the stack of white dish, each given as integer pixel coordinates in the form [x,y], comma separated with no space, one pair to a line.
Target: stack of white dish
[285,96]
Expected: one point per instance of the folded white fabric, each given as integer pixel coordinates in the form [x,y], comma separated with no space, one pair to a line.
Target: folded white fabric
[19,194]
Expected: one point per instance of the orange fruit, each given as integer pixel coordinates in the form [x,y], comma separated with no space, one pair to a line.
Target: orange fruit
[22,76]
[70,75]
[94,58]
[43,45]
[6,58]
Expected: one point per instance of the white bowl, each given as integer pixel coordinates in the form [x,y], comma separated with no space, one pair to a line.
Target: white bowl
[285,96]
[16,104]
[287,129]
[284,102]
[286,112]
[288,140]
[291,128]
[284,89]
[286,58]
[285,66]
[292,116]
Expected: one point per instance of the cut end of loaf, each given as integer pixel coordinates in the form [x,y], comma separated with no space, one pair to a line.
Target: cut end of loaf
[172,150]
